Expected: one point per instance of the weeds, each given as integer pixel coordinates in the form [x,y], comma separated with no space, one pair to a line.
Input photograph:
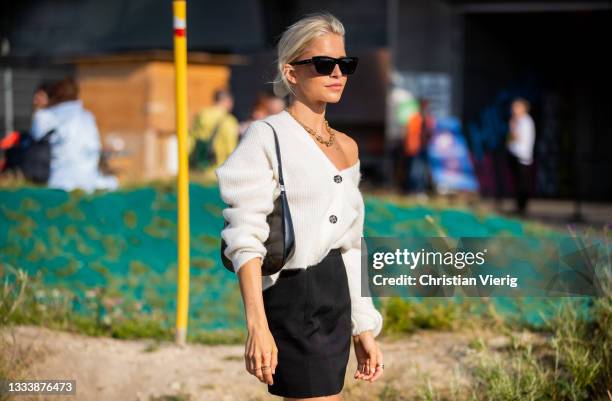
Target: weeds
[575,363]
[26,299]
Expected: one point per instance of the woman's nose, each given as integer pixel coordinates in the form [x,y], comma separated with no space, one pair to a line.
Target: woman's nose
[336,72]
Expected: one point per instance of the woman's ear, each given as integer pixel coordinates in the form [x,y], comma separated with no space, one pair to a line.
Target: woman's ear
[290,75]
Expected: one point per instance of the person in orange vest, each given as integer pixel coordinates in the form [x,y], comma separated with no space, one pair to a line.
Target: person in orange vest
[419,130]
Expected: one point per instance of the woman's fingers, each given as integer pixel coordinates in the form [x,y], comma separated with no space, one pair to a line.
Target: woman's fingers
[359,371]
[274,362]
[371,366]
[379,369]
[256,365]
[261,356]
[266,368]
[250,363]
[248,360]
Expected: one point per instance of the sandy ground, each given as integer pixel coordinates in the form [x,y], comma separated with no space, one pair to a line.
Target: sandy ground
[110,369]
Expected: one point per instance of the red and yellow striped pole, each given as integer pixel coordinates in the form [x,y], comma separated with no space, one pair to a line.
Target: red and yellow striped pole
[180,66]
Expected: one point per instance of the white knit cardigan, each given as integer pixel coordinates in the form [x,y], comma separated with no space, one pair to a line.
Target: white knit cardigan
[326,206]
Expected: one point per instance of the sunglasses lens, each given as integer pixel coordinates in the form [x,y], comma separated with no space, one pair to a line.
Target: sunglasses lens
[324,65]
[348,65]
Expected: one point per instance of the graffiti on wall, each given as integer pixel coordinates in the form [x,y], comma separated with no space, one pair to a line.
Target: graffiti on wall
[487,138]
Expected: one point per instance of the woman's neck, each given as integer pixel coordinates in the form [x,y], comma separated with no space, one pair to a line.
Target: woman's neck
[311,115]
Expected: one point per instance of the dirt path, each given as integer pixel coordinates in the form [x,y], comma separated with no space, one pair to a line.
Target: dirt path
[110,369]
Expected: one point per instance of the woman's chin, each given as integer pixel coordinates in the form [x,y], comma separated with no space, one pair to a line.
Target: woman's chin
[332,98]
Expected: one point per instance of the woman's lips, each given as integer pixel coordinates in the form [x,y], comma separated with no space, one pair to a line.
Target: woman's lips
[335,86]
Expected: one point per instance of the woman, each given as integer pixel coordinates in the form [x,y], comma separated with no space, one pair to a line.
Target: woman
[300,330]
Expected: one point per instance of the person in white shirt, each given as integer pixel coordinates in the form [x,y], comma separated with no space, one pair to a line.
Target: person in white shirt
[301,320]
[75,143]
[520,147]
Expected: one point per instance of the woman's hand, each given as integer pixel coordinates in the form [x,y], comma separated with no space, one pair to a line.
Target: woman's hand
[369,357]
[261,354]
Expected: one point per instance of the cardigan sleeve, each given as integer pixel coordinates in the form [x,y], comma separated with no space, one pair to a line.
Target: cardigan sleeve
[364,315]
[247,184]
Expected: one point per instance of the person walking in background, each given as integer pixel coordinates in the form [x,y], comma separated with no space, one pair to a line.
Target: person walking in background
[74,140]
[521,140]
[258,112]
[274,104]
[213,135]
[15,144]
[266,104]
[419,131]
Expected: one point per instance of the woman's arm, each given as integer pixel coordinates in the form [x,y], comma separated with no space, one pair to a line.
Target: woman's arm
[364,316]
[246,184]
[42,122]
[250,287]
[366,320]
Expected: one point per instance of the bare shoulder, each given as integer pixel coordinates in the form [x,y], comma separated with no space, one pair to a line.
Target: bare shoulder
[349,146]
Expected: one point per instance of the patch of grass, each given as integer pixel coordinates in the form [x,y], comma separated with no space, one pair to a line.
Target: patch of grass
[152,346]
[427,392]
[405,316]
[514,376]
[140,327]
[16,180]
[15,358]
[25,299]
[390,393]
[574,363]
[218,337]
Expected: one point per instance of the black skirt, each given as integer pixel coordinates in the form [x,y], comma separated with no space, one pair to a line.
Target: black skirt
[309,315]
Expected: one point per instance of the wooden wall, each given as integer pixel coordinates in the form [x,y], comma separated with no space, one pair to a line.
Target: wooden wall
[133,103]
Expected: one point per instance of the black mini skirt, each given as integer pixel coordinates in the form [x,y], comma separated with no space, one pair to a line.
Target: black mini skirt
[309,315]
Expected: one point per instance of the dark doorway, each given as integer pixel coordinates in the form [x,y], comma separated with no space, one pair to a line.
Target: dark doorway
[560,62]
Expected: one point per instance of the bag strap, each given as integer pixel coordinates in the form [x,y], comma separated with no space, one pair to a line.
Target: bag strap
[47,135]
[278,158]
[210,152]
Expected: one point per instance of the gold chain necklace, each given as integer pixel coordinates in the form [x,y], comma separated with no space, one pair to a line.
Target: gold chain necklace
[332,135]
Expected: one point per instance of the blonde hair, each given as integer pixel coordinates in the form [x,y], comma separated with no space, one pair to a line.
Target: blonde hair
[296,39]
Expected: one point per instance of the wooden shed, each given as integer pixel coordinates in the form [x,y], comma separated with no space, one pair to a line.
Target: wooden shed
[132,97]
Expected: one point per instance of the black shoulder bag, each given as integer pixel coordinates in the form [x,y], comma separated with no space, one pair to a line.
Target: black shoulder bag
[280,244]
[36,165]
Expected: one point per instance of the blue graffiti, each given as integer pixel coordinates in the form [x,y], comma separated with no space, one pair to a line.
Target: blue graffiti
[490,133]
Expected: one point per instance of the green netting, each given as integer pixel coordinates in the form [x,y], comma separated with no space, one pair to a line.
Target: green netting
[126,242]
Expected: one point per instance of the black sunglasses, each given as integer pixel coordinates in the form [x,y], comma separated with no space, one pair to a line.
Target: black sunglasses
[325,65]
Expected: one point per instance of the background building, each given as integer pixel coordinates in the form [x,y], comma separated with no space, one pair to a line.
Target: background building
[469,57]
